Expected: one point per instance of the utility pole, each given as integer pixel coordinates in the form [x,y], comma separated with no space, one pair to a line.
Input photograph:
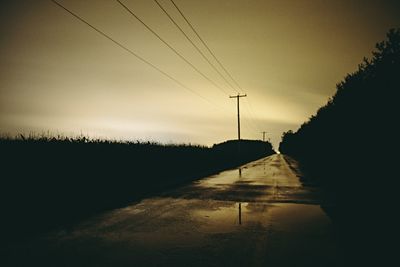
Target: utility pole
[263,136]
[238,110]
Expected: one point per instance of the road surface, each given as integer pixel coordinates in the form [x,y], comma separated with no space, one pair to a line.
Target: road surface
[258,215]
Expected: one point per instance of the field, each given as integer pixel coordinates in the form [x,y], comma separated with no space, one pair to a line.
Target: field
[50,181]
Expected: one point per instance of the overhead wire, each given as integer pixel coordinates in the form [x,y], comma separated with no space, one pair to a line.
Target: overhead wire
[205,44]
[134,54]
[250,127]
[193,44]
[251,115]
[251,122]
[169,45]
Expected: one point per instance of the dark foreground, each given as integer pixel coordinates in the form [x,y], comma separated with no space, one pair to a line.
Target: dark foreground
[50,182]
[260,215]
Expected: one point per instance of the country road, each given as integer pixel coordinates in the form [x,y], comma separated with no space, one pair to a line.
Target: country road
[258,215]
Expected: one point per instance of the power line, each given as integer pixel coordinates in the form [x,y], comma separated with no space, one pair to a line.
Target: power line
[249,127]
[252,122]
[132,53]
[169,46]
[193,44]
[251,115]
[208,48]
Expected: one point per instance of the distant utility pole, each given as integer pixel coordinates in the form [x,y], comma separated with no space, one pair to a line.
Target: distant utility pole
[238,110]
[264,135]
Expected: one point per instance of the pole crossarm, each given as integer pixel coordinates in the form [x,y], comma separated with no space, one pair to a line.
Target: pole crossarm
[238,95]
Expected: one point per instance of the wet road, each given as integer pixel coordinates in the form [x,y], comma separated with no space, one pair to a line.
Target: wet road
[258,216]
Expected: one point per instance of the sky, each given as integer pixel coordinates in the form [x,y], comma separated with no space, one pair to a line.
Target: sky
[59,76]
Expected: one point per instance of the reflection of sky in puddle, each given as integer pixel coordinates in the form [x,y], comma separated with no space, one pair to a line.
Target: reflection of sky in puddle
[251,170]
[189,222]
[229,202]
[221,219]
[267,172]
[227,214]
[163,228]
[231,217]
[172,219]
[224,178]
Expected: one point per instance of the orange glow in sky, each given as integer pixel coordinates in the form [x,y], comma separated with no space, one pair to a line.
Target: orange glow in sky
[59,75]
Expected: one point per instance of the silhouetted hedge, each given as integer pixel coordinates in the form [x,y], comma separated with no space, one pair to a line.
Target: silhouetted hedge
[350,148]
[349,139]
[48,181]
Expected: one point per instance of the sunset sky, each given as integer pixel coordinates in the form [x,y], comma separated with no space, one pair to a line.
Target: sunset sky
[59,75]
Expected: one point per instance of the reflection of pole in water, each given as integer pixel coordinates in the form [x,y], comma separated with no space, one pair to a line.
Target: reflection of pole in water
[264,167]
[240,213]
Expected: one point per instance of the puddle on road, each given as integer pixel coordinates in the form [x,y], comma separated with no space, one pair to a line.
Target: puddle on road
[167,229]
[155,219]
[228,202]
[254,172]
[218,180]
[229,219]
[259,173]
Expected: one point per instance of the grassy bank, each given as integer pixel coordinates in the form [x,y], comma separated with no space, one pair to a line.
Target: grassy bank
[52,181]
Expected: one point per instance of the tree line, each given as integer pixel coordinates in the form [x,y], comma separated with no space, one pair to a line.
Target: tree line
[347,139]
[349,149]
